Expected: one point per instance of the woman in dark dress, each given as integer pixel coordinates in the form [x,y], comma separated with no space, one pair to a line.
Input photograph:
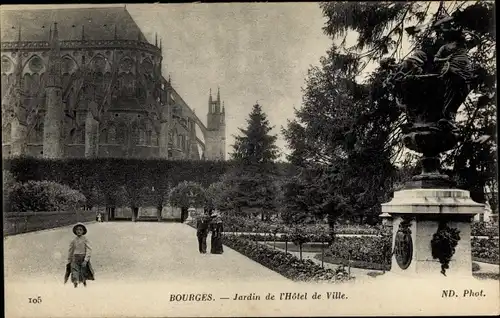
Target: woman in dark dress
[216,240]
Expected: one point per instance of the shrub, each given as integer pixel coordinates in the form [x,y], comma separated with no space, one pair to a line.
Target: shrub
[283,263]
[485,249]
[372,249]
[39,196]
[482,229]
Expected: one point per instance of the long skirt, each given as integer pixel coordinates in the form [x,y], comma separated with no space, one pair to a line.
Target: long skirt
[216,244]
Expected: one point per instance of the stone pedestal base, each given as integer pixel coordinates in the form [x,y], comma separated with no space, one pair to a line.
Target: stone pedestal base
[191,212]
[416,215]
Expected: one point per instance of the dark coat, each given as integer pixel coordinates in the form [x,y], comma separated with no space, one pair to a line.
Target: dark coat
[88,272]
[202,226]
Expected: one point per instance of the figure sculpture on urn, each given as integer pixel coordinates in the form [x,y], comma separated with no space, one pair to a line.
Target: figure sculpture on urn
[430,89]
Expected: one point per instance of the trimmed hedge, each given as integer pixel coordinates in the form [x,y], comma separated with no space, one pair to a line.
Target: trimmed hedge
[38,196]
[107,176]
[285,264]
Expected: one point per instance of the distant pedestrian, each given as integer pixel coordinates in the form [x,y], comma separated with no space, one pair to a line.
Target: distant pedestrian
[217,229]
[202,224]
[79,258]
[99,217]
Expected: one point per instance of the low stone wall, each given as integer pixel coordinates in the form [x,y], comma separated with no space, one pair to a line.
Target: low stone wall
[23,222]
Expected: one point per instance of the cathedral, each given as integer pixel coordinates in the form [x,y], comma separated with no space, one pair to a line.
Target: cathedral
[86,83]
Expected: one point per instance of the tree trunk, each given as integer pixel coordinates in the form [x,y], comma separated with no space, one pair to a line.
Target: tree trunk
[322,254]
[300,251]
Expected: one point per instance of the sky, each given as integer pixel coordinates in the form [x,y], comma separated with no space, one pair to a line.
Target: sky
[253,52]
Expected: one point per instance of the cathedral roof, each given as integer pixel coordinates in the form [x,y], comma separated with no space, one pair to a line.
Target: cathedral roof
[99,24]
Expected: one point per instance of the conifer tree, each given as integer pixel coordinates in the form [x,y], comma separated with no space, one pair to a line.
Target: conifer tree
[252,183]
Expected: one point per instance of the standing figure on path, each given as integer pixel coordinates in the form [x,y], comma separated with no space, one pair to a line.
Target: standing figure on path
[216,228]
[79,257]
[202,224]
[99,217]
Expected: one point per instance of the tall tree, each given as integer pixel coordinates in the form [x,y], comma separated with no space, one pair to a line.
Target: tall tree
[252,181]
[343,139]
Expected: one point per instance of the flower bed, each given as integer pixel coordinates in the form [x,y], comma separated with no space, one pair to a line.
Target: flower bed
[371,249]
[255,225]
[285,264]
[485,250]
[354,263]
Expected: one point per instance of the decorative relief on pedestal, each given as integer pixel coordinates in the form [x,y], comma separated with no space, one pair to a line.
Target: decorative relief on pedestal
[443,245]
[403,244]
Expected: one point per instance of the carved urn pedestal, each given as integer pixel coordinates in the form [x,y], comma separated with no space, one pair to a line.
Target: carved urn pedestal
[417,215]
[191,212]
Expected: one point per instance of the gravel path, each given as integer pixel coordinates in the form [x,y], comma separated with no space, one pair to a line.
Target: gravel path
[129,252]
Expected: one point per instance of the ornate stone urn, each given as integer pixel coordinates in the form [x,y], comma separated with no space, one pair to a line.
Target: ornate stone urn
[431,218]
[429,130]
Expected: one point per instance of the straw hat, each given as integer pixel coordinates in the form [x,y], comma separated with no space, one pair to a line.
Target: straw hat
[83,227]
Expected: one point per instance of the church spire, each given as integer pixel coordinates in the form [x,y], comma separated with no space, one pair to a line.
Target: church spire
[210,97]
[218,95]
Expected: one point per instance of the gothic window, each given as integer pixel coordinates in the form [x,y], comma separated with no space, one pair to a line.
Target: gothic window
[126,64]
[135,134]
[71,135]
[7,64]
[80,135]
[35,85]
[154,138]
[103,136]
[6,134]
[99,64]
[27,83]
[36,134]
[170,137]
[148,137]
[147,67]
[111,135]
[5,84]
[142,137]
[36,64]
[68,66]
[121,134]
[66,80]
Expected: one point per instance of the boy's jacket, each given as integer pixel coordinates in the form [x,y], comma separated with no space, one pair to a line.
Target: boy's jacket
[88,272]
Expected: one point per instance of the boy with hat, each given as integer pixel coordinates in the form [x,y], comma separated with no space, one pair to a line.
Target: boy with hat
[79,256]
